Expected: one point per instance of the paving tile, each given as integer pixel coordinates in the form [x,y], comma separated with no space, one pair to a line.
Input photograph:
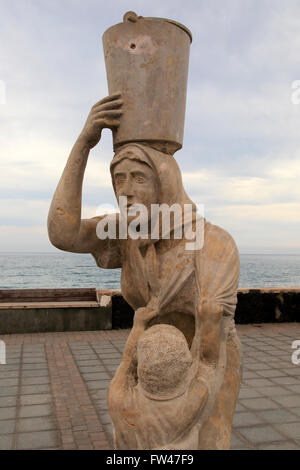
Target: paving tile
[89,363]
[35,355]
[8,391]
[111,355]
[8,401]
[8,412]
[35,373]
[247,392]
[280,415]
[289,401]
[295,410]
[279,446]
[249,374]
[106,349]
[239,407]
[105,418]
[38,440]
[35,410]
[6,442]
[258,366]
[12,361]
[111,361]
[43,423]
[36,399]
[291,430]
[9,382]
[286,380]
[109,433]
[91,369]
[112,368]
[98,394]
[272,373]
[274,391]
[84,357]
[35,380]
[9,374]
[27,348]
[246,419]
[101,404]
[236,442]
[34,360]
[258,403]
[31,389]
[258,382]
[33,366]
[7,426]
[98,384]
[7,367]
[259,434]
[294,388]
[96,376]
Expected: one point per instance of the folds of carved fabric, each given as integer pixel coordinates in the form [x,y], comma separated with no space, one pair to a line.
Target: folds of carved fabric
[164,360]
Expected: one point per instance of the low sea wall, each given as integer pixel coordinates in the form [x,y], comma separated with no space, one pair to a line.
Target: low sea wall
[46,310]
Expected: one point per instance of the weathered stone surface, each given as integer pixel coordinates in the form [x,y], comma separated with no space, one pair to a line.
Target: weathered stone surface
[179,378]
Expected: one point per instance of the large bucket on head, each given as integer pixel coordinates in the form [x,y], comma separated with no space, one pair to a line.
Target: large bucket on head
[147,61]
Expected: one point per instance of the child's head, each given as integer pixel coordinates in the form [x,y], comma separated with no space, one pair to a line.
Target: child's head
[164,360]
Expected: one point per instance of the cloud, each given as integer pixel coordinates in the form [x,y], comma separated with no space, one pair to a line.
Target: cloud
[241,155]
[33,238]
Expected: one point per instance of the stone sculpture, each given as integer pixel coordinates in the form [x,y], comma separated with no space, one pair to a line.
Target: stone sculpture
[179,378]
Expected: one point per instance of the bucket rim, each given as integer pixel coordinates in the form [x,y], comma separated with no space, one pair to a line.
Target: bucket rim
[155,18]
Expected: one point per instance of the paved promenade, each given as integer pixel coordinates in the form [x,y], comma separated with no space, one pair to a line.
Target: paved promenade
[53,389]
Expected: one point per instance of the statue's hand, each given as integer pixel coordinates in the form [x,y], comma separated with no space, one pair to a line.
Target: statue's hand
[143,315]
[104,114]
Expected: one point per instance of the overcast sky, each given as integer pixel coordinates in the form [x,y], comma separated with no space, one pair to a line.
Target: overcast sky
[241,154]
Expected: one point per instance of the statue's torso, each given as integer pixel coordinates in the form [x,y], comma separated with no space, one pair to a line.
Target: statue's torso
[179,307]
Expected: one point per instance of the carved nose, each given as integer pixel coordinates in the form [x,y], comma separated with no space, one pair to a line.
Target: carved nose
[126,189]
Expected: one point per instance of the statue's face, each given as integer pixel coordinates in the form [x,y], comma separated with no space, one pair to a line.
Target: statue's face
[137,182]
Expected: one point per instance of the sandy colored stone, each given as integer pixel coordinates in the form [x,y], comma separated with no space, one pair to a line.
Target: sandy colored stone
[179,378]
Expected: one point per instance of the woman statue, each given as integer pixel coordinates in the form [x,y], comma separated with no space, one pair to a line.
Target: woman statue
[179,378]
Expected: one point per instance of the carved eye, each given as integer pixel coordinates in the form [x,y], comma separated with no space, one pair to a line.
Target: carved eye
[132,45]
[120,179]
[139,179]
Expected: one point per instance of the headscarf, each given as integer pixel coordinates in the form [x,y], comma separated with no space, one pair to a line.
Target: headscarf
[165,167]
[171,191]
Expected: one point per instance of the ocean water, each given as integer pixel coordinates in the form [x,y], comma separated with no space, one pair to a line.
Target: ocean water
[54,270]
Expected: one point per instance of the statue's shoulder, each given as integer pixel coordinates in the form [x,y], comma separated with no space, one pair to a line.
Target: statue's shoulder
[219,239]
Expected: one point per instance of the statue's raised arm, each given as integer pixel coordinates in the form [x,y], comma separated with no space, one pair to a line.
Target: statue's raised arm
[66,230]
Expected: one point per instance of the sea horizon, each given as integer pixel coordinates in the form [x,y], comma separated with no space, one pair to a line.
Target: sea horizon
[61,269]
